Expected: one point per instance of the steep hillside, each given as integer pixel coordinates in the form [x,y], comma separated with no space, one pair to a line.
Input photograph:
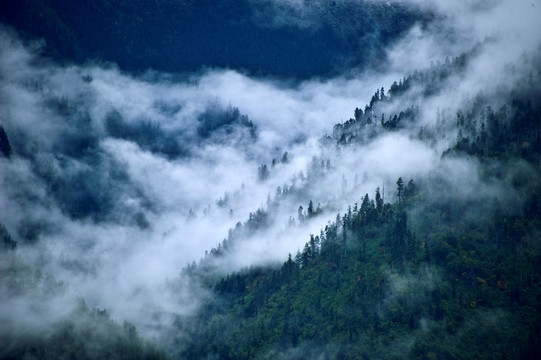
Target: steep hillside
[375,194]
[445,271]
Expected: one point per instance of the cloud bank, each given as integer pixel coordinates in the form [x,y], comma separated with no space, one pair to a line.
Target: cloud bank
[113,189]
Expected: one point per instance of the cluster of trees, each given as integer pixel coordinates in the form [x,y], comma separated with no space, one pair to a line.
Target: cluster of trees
[306,299]
[505,133]
[263,171]
[296,190]
[147,134]
[6,241]
[433,275]
[226,123]
[369,123]
[375,284]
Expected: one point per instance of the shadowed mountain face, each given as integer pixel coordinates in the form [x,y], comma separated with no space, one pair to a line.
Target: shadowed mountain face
[261,38]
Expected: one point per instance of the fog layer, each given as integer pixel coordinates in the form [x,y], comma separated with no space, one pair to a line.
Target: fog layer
[117,182]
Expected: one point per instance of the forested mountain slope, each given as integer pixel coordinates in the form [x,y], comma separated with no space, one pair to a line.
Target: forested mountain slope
[331,221]
[439,271]
[435,274]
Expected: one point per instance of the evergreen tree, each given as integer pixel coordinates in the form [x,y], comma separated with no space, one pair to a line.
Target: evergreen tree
[310,209]
[263,172]
[5,146]
[379,201]
[6,241]
[285,158]
[358,114]
[410,190]
[400,190]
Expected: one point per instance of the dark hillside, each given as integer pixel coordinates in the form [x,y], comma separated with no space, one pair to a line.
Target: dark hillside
[182,36]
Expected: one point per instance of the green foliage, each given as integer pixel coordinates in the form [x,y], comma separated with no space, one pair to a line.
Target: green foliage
[368,287]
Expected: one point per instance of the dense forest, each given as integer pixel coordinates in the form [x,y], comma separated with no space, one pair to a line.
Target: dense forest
[431,275]
[151,216]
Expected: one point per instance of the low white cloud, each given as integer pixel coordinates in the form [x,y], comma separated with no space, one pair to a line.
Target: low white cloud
[127,260]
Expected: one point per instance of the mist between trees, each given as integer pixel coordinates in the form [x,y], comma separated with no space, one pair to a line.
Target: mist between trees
[201,209]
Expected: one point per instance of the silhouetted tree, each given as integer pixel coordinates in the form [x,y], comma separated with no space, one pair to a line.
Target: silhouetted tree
[310,209]
[5,147]
[400,190]
[263,172]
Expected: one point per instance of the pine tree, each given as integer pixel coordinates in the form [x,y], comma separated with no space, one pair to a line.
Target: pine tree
[400,190]
[263,172]
[310,209]
[379,201]
[5,147]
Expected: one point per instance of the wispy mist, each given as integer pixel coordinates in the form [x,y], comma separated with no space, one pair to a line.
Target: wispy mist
[112,189]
